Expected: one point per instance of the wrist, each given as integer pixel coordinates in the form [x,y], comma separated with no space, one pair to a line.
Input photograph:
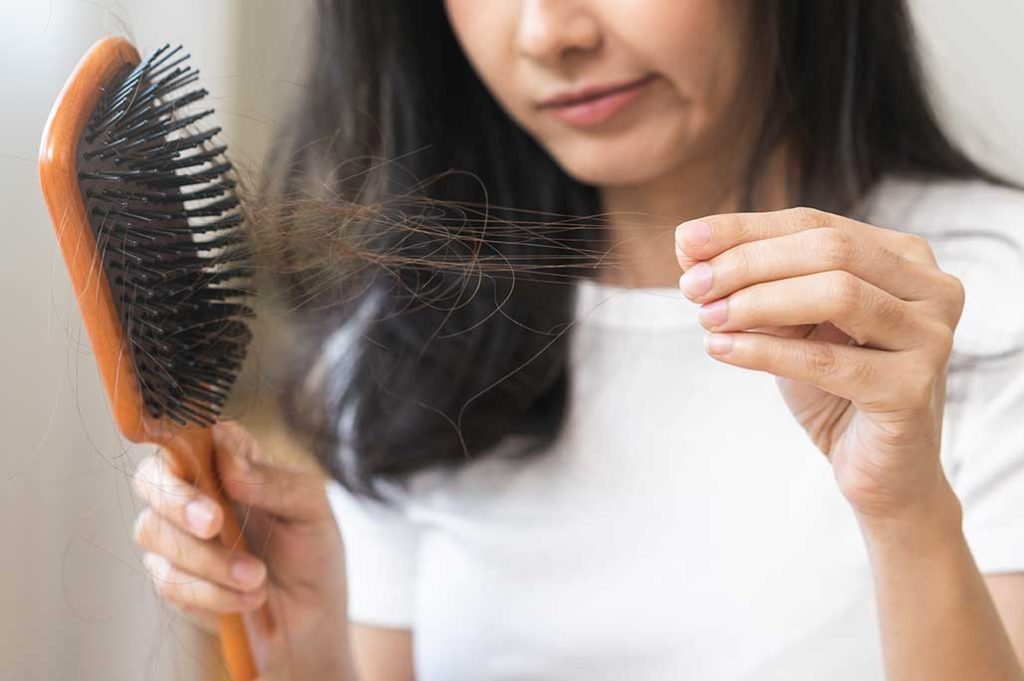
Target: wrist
[308,652]
[933,521]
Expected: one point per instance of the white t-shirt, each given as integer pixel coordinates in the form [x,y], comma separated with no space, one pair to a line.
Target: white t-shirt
[684,526]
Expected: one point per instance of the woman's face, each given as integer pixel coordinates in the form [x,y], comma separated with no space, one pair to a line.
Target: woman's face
[619,92]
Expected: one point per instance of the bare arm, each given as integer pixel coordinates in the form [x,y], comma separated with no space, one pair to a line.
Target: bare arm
[1007,592]
[939,619]
[368,654]
[382,654]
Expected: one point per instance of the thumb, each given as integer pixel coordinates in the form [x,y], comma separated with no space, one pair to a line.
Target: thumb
[250,478]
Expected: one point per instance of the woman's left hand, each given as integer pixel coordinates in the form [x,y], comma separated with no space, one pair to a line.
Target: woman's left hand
[855,321]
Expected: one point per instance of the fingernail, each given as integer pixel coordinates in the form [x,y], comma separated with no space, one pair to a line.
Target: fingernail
[714,314]
[199,514]
[248,572]
[693,234]
[718,343]
[157,565]
[697,280]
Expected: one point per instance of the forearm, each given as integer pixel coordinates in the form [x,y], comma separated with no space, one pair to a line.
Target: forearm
[310,637]
[937,619]
[308,651]
[321,655]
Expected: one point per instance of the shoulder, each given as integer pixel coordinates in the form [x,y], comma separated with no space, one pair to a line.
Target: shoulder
[934,206]
[976,230]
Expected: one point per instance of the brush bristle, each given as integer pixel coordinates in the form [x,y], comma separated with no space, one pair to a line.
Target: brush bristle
[168,227]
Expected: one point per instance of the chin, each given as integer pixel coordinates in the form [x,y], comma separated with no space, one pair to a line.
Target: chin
[606,164]
[610,171]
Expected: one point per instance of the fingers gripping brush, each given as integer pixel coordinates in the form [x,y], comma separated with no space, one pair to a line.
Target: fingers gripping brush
[151,230]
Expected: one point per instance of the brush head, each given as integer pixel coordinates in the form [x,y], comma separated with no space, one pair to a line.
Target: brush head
[161,203]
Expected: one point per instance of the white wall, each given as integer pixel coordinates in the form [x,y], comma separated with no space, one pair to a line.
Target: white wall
[76,604]
[976,56]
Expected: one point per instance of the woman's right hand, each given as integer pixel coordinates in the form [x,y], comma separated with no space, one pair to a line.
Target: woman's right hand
[296,566]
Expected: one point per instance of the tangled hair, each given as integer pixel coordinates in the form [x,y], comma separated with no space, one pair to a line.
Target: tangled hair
[428,245]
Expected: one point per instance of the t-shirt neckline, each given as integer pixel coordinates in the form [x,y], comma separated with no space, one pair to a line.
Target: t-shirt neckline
[600,304]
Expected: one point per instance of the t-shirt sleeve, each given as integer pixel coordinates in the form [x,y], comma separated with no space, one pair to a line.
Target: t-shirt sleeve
[976,230]
[980,239]
[987,462]
[381,544]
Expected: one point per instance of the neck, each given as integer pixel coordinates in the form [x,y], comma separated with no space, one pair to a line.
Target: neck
[641,219]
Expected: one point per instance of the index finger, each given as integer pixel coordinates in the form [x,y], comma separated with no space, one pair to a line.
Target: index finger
[706,237]
[175,499]
[251,477]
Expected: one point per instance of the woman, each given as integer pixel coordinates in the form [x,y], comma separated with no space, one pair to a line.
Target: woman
[578,481]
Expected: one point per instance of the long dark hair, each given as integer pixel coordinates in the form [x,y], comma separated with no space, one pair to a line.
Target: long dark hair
[394,117]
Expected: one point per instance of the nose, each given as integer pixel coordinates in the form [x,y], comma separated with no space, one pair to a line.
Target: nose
[550,30]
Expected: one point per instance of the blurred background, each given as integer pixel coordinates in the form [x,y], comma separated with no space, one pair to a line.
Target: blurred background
[77,602]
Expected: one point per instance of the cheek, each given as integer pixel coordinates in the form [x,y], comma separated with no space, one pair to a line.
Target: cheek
[485,31]
[693,43]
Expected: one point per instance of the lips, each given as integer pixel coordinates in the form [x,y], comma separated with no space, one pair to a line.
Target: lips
[593,105]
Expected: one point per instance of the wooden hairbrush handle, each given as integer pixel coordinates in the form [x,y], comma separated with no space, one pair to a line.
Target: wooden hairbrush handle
[190,457]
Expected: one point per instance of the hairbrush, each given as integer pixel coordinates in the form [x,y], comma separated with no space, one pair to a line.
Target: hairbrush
[150,226]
